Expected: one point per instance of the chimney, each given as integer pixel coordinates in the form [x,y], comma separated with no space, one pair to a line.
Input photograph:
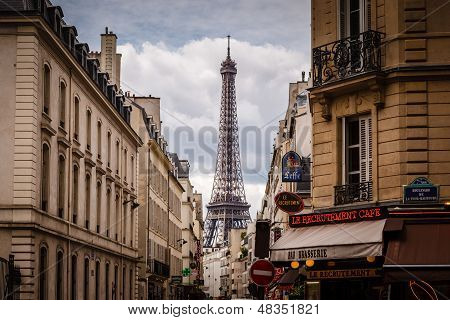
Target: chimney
[303,76]
[110,60]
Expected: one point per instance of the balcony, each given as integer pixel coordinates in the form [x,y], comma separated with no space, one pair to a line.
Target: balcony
[347,57]
[354,192]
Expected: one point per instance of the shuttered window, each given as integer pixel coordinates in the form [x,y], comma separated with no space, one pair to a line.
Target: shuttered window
[357,151]
[353,17]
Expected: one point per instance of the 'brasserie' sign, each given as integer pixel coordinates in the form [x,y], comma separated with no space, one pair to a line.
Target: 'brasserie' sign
[342,216]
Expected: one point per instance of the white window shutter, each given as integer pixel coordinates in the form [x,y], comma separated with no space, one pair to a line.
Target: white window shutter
[365,127]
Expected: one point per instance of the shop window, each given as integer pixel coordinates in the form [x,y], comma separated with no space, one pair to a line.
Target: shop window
[76,132]
[43,277]
[75,194]
[86,279]
[45,176]
[59,275]
[62,104]
[46,82]
[73,279]
[61,185]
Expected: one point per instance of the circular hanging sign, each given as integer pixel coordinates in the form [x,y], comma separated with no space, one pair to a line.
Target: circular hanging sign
[289,202]
[262,272]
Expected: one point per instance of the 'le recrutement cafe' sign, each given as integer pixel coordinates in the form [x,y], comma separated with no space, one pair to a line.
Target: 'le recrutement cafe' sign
[342,216]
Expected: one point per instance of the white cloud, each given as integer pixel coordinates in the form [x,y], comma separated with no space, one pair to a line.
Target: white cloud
[188,81]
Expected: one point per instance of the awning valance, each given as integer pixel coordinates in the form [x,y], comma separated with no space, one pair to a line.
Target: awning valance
[334,241]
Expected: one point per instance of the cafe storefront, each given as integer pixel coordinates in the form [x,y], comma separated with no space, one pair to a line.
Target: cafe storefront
[385,252]
[340,252]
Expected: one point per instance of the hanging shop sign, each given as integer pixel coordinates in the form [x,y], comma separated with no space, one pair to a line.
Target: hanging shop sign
[343,216]
[341,274]
[186,272]
[289,202]
[291,167]
[421,190]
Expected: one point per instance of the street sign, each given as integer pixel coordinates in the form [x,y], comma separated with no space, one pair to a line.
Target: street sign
[289,202]
[262,272]
[421,190]
[291,169]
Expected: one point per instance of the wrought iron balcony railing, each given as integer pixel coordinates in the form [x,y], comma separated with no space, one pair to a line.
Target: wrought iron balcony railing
[347,57]
[354,192]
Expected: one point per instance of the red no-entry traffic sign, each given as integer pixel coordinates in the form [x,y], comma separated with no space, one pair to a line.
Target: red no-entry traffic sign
[262,272]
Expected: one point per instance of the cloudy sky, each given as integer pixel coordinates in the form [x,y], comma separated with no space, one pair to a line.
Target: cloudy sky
[172,49]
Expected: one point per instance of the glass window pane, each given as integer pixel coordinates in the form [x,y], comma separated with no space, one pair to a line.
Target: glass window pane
[353,133]
[353,178]
[353,159]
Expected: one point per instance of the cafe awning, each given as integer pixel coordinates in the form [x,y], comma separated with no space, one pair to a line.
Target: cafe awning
[332,241]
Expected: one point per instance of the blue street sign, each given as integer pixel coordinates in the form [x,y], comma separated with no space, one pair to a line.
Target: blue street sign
[421,190]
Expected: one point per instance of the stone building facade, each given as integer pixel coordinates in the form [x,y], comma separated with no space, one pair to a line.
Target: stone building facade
[160,194]
[69,154]
[399,94]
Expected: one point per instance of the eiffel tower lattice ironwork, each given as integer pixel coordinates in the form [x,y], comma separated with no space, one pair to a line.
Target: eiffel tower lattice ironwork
[228,208]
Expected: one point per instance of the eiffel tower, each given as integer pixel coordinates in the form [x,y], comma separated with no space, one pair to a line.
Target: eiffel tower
[228,208]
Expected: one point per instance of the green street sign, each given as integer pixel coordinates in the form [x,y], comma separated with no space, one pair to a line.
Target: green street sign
[186,272]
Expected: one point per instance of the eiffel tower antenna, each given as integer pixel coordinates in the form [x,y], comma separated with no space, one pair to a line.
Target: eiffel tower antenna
[228,208]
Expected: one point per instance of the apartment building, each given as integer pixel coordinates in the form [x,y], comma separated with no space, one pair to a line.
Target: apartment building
[69,190]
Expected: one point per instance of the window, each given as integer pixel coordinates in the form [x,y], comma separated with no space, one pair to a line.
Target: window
[99,204]
[117,156]
[76,131]
[125,218]
[117,219]
[75,194]
[97,280]
[109,150]
[107,281]
[88,201]
[45,176]
[62,104]
[358,150]
[115,284]
[354,17]
[86,279]
[99,140]
[132,170]
[131,285]
[59,275]
[73,287]
[125,164]
[61,185]
[108,212]
[46,82]
[124,274]
[88,129]
[43,265]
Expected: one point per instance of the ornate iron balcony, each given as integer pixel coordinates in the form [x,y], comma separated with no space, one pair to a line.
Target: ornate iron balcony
[354,192]
[347,57]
